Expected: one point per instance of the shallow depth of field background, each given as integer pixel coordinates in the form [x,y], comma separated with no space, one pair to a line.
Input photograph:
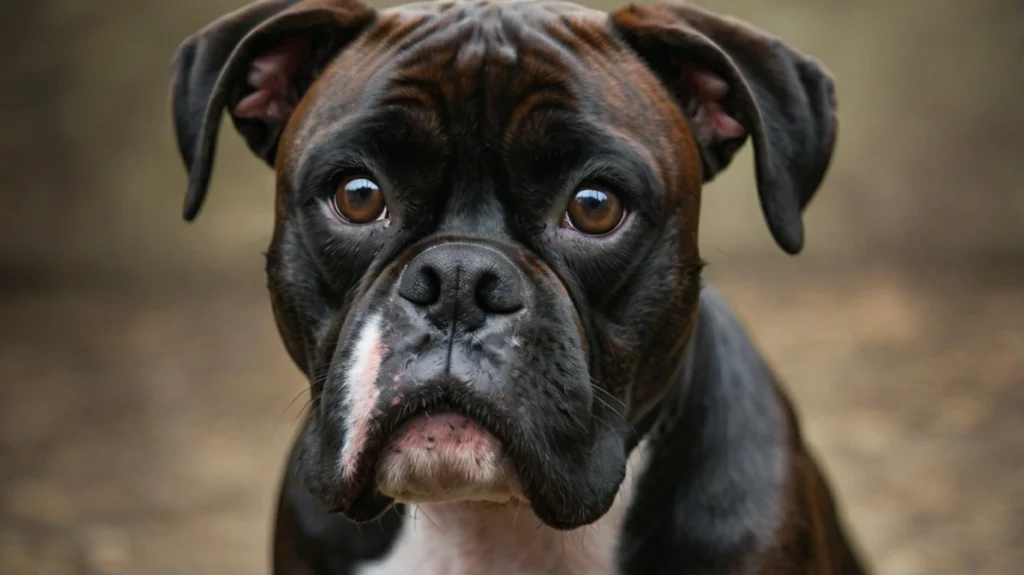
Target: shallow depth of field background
[146,401]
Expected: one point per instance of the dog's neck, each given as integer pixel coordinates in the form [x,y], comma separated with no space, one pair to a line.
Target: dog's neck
[717,449]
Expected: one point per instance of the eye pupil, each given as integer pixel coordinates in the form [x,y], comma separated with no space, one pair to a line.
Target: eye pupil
[360,200]
[359,195]
[594,212]
[361,187]
[591,199]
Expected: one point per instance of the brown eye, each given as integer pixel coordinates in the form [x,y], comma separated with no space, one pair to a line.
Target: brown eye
[360,201]
[594,212]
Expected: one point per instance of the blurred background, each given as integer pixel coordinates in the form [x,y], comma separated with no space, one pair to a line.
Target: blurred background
[146,401]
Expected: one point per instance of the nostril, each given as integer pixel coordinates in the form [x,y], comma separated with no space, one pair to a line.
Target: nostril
[421,286]
[463,284]
[496,295]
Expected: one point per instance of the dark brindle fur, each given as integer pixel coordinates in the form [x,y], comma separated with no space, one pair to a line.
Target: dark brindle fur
[479,120]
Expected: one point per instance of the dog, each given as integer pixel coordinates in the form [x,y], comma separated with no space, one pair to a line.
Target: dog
[485,261]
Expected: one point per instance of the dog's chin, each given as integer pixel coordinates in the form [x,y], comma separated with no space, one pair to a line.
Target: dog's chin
[446,457]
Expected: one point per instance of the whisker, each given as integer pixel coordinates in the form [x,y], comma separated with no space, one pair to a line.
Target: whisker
[607,393]
[721,251]
[596,388]
[303,411]
[432,522]
[280,417]
[515,518]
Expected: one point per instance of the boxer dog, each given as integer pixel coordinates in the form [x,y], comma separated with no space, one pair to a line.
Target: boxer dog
[485,261]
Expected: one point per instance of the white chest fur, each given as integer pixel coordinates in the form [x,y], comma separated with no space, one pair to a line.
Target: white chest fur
[464,538]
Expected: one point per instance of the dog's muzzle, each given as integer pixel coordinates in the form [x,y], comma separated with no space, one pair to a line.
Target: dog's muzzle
[463,376]
[443,453]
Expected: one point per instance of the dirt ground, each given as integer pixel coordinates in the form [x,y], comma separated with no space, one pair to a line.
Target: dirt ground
[143,428]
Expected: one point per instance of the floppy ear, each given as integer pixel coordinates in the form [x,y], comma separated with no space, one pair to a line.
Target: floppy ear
[257,62]
[733,81]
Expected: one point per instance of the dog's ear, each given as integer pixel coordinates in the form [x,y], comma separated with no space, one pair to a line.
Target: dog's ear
[256,62]
[733,81]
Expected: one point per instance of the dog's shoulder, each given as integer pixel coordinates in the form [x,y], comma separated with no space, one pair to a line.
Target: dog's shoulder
[730,487]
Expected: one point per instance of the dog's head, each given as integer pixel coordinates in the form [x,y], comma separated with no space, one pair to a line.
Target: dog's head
[485,254]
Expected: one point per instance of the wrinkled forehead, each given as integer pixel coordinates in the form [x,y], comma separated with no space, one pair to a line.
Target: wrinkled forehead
[489,66]
[517,8]
[494,22]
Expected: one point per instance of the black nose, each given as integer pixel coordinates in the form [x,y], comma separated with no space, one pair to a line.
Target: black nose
[463,283]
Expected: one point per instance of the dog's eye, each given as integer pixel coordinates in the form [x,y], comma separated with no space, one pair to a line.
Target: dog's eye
[360,200]
[594,212]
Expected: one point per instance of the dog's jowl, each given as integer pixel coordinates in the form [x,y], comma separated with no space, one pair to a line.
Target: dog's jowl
[485,260]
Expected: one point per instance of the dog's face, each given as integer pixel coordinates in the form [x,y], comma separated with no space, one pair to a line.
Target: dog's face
[485,255]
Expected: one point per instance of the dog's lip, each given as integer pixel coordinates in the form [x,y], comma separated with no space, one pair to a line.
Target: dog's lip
[391,422]
[438,411]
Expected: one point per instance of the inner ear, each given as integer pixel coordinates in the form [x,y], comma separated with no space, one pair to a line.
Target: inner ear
[272,83]
[711,105]
[273,86]
[706,95]
[716,107]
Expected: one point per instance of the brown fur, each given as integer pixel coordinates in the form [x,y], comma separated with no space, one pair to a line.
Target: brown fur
[485,73]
